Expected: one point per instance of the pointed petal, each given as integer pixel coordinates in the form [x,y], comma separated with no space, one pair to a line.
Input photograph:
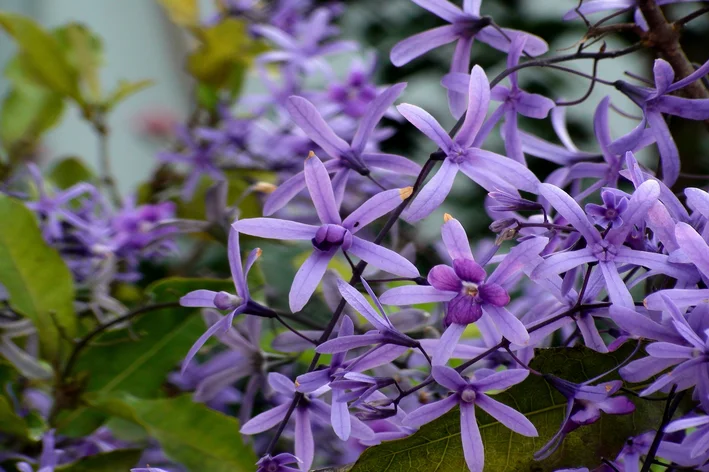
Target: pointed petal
[382,258]
[199,298]
[533,105]
[509,326]
[346,343]
[460,64]
[693,246]
[285,192]
[617,290]
[273,228]
[319,186]
[562,262]
[500,40]
[456,240]
[509,417]
[430,412]
[413,294]
[419,44]
[669,155]
[308,277]
[473,449]
[448,377]
[304,443]
[501,380]
[427,124]
[433,193]
[478,102]
[307,117]
[446,345]
[340,420]
[359,303]
[441,8]
[375,112]
[265,420]
[506,170]
[376,207]
[391,162]
[571,211]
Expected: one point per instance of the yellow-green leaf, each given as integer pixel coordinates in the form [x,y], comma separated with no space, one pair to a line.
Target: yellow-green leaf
[125,89]
[38,281]
[27,112]
[182,12]
[10,423]
[84,51]
[43,55]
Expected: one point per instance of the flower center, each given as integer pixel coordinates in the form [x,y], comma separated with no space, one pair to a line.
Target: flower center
[457,154]
[332,236]
[468,395]
[604,251]
[611,213]
[469,289]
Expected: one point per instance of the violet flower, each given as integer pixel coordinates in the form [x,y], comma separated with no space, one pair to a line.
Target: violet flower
[656,101]
[235,303]
[309,406]
[465,26]
[344,157]
[469,393]
[333,235]
[606,250]
[384,332]
[49,458]
[199,156]
[514,101]
[690,356]
[608,214]
[353,95]
[277,463]
[463,153]
[466,289]
[699,437]
[304,48]
[585,403]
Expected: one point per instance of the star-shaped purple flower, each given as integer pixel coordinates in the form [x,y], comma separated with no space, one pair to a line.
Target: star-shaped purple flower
[333,235]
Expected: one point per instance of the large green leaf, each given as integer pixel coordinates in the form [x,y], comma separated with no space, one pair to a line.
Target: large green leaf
[10,423]
[27,112]
[113,461]
[37,279]
[84,52]
[437,445]
[69,171]
[43,55]
[190,433]
[138,361]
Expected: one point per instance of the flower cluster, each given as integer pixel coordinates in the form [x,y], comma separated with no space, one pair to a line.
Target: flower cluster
[608,252]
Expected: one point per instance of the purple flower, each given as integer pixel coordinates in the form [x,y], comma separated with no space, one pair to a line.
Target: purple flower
[49,458]
[199,156]
[304,48]
[277,463]
[467,291]
[345,157]
[384,332]
[610,212]
[309,406]
[465,26]
[147,469]
[334,233]
[585,403]
[514,101]
[234,303]
[656,101]
[463,152]
[353,96]
[699,437]
[607,250]
[468,394]
[690,356]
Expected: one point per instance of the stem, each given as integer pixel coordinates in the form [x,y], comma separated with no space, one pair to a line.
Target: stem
[106,175]
[293,330]
[664,37]
[670,408]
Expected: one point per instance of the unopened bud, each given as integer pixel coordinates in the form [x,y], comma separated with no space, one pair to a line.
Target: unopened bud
[264,187]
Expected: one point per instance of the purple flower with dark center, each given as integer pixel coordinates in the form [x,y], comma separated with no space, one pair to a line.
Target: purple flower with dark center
[468,291]
[333,235]
[514,101]
[463,153]
[353,96]
[199,156]
[345,157]
[607,250]
[465,26]
[699,437]
[610,213]
[235,303]
[656,101]
[469,393]
[690,356]
[277,463]
[585,402]
[308,407]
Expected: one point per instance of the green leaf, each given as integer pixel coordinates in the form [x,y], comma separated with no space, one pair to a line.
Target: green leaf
[190,433]
[43,55]
[138,361]
[70,171]
[10,423]
[112,461]
[37,279]
[437,445]
[124,90]
[226,51]
[182,12]
[27,112]
[84,51]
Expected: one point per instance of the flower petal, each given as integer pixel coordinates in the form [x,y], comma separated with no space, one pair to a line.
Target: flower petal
[430,412]
[509,417]
[319,186]
[307,117]
[414,294]
[308,277]
[383,258]
[273,228]
[427,124]
[432,194]
[478,103]
[473,449]
[417,45]
[375,112]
